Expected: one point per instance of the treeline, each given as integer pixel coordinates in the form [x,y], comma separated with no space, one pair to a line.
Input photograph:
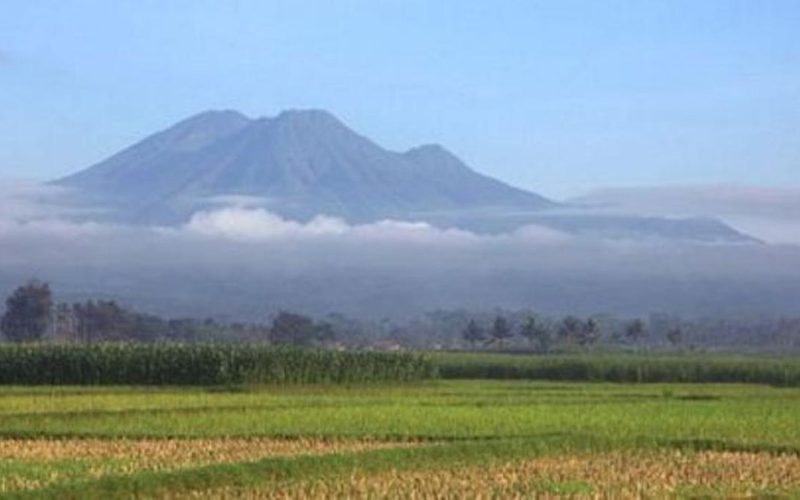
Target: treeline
[31,316]
[569,333]
[200,364]
[528,331]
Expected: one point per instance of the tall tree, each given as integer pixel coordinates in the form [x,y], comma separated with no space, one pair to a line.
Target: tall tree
[473,333]
[27,313]
[65,323]
[675,336]
[325,333]
[589,332]
[293,329]
[501,331]
[635,331]
[569,330]
[537,333]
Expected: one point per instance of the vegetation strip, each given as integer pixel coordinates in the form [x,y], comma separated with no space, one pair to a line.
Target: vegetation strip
[200,364]
[777,371]
[236,365]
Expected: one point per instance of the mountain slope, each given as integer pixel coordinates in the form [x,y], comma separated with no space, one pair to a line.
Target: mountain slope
[152,167]
[301,162]
[304,163]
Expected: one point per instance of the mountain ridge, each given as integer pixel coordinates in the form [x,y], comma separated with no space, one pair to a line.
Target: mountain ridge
[304,163]
[308,160]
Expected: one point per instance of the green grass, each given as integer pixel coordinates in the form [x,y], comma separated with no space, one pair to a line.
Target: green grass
[458,422]
[436,410]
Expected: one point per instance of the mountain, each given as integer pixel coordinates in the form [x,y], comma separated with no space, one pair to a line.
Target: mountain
[300,164]
[303,163]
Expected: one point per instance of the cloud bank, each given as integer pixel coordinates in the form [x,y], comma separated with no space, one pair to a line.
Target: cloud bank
[245,224]
[240,260]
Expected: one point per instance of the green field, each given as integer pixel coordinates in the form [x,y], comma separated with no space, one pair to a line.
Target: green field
[451,438]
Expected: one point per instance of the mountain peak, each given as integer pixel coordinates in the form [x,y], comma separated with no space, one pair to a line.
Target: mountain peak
[307,116]
[434,156]
[305,161]
[305,113]
[218,114]
[203,128]
[213,118]
[430,148]
[431,151]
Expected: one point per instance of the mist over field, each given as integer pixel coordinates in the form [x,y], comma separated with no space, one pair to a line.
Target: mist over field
[237,260]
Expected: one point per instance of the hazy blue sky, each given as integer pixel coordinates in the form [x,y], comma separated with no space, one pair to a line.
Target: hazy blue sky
[554,96]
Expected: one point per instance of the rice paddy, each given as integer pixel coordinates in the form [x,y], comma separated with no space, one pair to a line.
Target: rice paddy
[630,474]
[425,439]
[29,464]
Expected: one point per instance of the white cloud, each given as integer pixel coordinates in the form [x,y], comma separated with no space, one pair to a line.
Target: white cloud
[245,224]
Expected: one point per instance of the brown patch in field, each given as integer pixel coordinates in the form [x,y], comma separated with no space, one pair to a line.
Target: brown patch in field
[632,474]
[99,457]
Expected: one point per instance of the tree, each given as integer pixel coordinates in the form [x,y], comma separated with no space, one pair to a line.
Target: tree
[27,313]
[501,331]
[589,332]
[65,323]
[104,320]
[473,333]
[293,329]
[325,333]
[570,329]
[536,332]
[635,331]
[675,336]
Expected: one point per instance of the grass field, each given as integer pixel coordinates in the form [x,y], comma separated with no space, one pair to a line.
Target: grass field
[442,438]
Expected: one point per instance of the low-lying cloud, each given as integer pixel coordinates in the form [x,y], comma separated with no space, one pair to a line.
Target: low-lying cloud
[239,223]
[240,260]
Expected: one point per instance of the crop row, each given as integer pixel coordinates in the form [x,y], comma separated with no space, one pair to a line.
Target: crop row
[200,364]
[709,368]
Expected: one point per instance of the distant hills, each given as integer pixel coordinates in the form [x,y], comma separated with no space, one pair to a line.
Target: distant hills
[300,164]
